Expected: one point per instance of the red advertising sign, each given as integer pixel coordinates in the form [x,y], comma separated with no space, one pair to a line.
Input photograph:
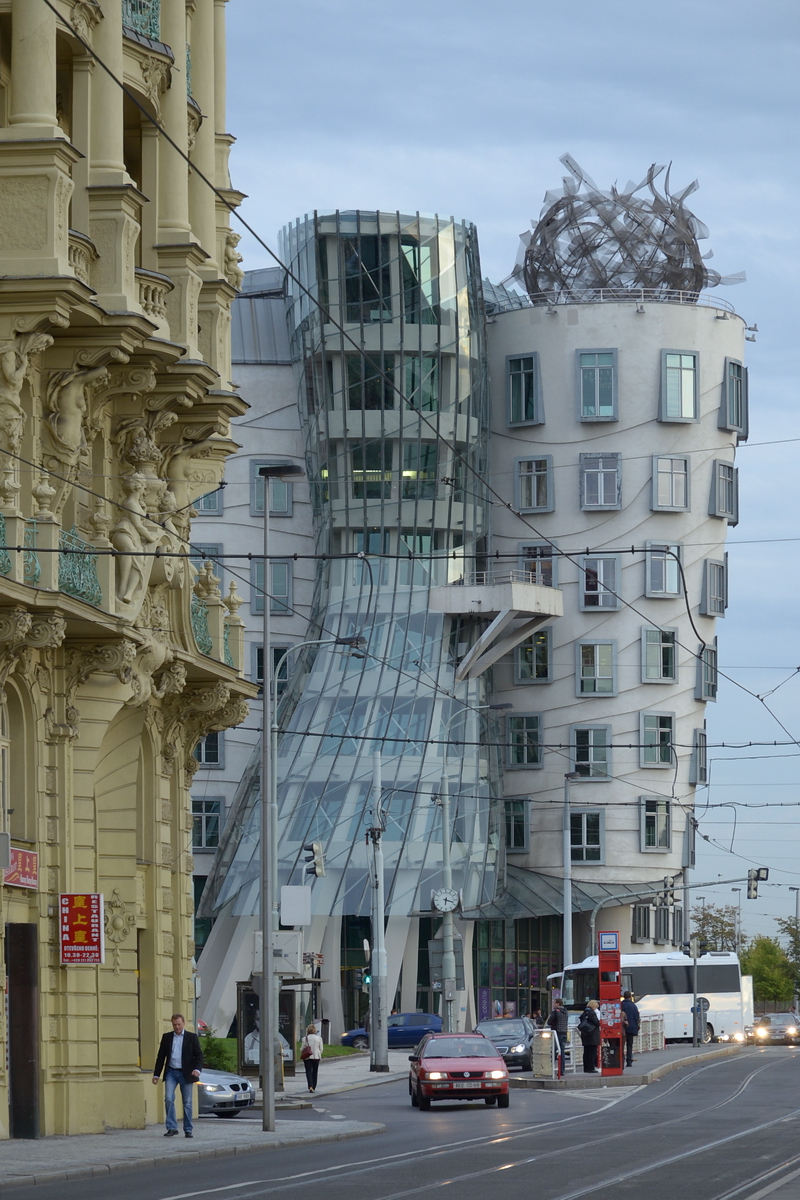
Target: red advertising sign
[81,929]
[24,869]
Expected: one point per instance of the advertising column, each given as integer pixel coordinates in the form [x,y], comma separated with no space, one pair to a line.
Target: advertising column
[610,996]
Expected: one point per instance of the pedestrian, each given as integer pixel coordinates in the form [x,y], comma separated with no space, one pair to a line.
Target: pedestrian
[313,1042]
[558,1021]
[589,1029]
[630,1023]
[537,1018]
[180,1057]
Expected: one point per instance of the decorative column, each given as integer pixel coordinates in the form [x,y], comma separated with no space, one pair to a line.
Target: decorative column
[202,202]
[33,71]
[173,191]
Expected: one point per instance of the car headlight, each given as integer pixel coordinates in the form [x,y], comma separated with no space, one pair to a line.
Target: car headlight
[517,1049]
[435,1075]
[761,1033]
[791,1030]
[738,1037]
[496,1075]
[213,1087]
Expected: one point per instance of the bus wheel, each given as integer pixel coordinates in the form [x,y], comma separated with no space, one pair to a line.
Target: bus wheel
[708,1034]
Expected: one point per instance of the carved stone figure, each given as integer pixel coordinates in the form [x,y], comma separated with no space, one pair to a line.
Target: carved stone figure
[132,534]
[233,272]
[15,362]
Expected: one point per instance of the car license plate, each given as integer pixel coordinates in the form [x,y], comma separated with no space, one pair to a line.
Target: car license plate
[473,1083]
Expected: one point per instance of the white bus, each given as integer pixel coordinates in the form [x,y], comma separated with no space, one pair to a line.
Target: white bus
[662,983]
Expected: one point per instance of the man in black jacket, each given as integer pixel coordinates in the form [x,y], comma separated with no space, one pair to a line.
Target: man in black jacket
[181,1059]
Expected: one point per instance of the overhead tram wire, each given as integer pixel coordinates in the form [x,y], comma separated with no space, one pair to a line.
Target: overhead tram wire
[380,373]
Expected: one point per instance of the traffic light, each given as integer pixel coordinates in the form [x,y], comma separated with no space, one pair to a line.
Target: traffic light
[755,876]
[695,948]
[315,858]
[358,978]
[366,980]
[669,891]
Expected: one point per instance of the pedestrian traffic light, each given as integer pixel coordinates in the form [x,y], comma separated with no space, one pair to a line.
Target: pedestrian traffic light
[366,978]
[315,858]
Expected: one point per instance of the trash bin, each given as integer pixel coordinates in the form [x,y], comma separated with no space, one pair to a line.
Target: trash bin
[325,1030]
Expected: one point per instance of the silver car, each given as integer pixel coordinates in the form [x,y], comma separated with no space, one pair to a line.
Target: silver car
[224,1094]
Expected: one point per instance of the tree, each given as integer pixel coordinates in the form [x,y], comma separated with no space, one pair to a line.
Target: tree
[790,930]
[773,973]
[715,924]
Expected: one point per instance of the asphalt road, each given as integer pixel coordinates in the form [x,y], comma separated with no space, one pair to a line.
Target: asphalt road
[722,1131]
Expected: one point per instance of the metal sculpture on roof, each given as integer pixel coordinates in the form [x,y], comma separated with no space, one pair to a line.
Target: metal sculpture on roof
[589,241]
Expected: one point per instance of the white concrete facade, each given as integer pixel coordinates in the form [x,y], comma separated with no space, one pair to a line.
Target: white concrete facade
[562,447]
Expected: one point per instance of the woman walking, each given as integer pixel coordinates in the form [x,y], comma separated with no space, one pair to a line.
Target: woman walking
[313,1043]
[589,1029]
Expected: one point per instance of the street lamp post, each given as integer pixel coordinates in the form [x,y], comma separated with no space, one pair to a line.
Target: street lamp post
[268,850]
[796,891]
[567,871]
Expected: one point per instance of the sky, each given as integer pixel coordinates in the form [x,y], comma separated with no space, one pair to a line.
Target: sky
[464,109]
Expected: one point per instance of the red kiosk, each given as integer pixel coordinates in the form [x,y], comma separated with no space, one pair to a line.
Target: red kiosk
[610,995]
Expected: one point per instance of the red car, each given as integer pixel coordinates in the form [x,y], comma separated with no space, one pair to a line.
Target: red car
[457,1066]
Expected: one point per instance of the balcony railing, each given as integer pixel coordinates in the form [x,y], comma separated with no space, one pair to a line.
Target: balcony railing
[5,557]
[77,568]
[153,292]
[202,634]
[82,254]
[143,16]
[508,575]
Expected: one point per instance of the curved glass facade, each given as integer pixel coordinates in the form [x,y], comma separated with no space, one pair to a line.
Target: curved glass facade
[388,402]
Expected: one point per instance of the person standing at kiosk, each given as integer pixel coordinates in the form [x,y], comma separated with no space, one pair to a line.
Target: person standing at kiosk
[589,1029]
[630,1024]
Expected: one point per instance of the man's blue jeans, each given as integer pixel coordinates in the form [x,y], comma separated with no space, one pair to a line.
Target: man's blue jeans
[173,1079]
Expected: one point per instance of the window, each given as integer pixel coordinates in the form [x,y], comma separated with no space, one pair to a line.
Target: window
[586,837]
[419,471]
[591,751]
[595,669]
[733,411]
[524,391]
[706,688]
[524,732]
[670,484]
[535,491]
[659,659]
[421,384]
[677,927]
[657,736]
[280,491]
[517,826]
[601,481]
[662,571]
[698,765]
[210,505]
[365,263]
[679,386]
[372,471]
[370,380]
[540,562]
[209,751]
[654,823]
[600,589]
[724,501]
[280,588]
[640,924]
[277,654]
[597,389]
[714,599]
[661,936]
[533,658]
[202,552]
[205,823]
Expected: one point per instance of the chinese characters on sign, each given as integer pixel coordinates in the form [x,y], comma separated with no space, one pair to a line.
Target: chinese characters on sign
[24,869]
[81,929]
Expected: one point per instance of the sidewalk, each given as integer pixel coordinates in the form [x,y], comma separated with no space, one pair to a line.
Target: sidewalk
[646,1068]
[341,1074]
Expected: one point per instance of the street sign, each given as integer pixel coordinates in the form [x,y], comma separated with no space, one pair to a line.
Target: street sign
[609,940]
[23,870]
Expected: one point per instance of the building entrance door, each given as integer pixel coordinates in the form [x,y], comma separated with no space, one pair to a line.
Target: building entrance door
[22,972]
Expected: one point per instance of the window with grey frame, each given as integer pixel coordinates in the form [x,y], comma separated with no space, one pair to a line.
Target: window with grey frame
[586,836]
[202,552]
[677,927]
[517,817]
[206,817]
[283,669]
[671,479]
[524,390]
[524,740]
[211,504]
[640,923]
[419,470]
[698,764]
[591,751]
[533,658]
[724,499]
[662,571]
[657,735]
[655,829]
[210,750]
[659,655]
[540,561]
[714,596]
[371,465]
[733,410]
[707,672]
[280,490]
[535,484]
[280,587]
[600,482]
[599,583]
[597,385]
[596,668]
[661,930]
[680,370]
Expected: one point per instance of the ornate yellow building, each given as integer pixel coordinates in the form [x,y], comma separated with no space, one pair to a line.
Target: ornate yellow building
[117,271]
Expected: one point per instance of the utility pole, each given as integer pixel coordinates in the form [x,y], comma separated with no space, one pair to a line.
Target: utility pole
[378,1030]
[738,932]
[567,873]
[796,891]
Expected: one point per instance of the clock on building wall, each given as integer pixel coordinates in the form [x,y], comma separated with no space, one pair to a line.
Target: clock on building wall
[445,899]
